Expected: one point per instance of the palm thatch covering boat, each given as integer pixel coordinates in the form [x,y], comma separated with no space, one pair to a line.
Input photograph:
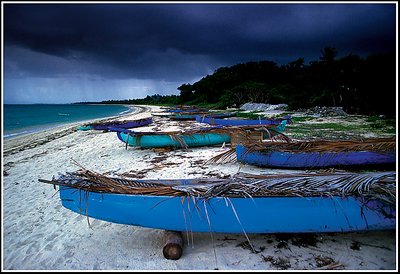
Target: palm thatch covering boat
[241,122]
[219,115]
[185,115]
[182,108]
[308,202]
[193,138]
[318,153]
[193,115]
[124,124]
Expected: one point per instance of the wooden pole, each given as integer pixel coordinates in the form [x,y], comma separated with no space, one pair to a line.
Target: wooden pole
[173,245]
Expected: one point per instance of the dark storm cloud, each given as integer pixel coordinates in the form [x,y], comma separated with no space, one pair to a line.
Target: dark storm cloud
[182,41]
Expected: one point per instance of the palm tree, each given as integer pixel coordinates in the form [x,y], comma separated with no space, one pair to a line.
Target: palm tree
[328,54]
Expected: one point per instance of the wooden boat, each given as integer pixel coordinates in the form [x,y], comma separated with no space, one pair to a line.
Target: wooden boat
[85,127]
[179,109]
[241,122]
[193,115]
[278,203]
[219,115]
[192,138]
[319,154]
[184,116]
[125,124]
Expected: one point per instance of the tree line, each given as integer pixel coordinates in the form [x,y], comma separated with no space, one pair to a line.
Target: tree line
[359,85]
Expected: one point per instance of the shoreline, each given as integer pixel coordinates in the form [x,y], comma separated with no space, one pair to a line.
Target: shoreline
[18,143]
[40,234]
[47,127]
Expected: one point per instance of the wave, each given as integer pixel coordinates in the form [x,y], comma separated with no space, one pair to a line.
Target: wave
[8,135]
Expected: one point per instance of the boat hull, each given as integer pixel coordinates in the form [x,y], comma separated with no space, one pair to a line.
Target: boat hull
[125,125]
[233,215]
[165,140]
[313,159]
[237,122]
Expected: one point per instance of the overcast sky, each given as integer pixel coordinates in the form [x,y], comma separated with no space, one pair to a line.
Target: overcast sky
[63,53]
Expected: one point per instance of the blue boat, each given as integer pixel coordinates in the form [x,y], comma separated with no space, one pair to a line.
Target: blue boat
[319,154]
[179,109]
[184,116]
[194,115]
[195,138]
[219,115]
[241,122]
[192,138]
[125,124]
[184,205]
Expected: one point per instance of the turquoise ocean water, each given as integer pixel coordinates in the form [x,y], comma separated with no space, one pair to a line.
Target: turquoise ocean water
[23,119]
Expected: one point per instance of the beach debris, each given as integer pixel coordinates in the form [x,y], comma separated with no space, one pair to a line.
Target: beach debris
[7,166]
[305,239]
[262,107]
[281,263]
[355,245]
[247,245]
[332,266]
[323,260]
[323,111]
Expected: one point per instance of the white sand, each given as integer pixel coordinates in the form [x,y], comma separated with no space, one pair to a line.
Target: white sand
[40,234]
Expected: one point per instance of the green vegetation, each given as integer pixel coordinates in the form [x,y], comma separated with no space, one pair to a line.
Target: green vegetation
[253,115]
[346,127]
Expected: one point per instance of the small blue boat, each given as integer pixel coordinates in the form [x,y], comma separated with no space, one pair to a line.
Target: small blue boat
[183,204]
[219,115]
[240,122]
[182,116]
[126,124]
[194,115]
[319,154]
[191,109]
[86,127]
[197,138]
[192,138]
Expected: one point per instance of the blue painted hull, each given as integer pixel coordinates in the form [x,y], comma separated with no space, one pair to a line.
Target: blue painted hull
[179,110]
[281,159]
[233,215]
[84,128]
[183,117]
[219,115]
[164,140]
[125,125]
[237,122]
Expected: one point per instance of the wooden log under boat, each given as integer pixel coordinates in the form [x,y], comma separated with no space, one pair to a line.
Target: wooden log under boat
[173,244]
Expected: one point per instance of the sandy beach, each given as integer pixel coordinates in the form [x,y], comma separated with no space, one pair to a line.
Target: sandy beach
[40,234]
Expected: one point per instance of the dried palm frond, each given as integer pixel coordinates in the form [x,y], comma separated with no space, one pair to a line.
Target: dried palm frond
[372,144]
[227,157]
[179,139]
[380,185]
